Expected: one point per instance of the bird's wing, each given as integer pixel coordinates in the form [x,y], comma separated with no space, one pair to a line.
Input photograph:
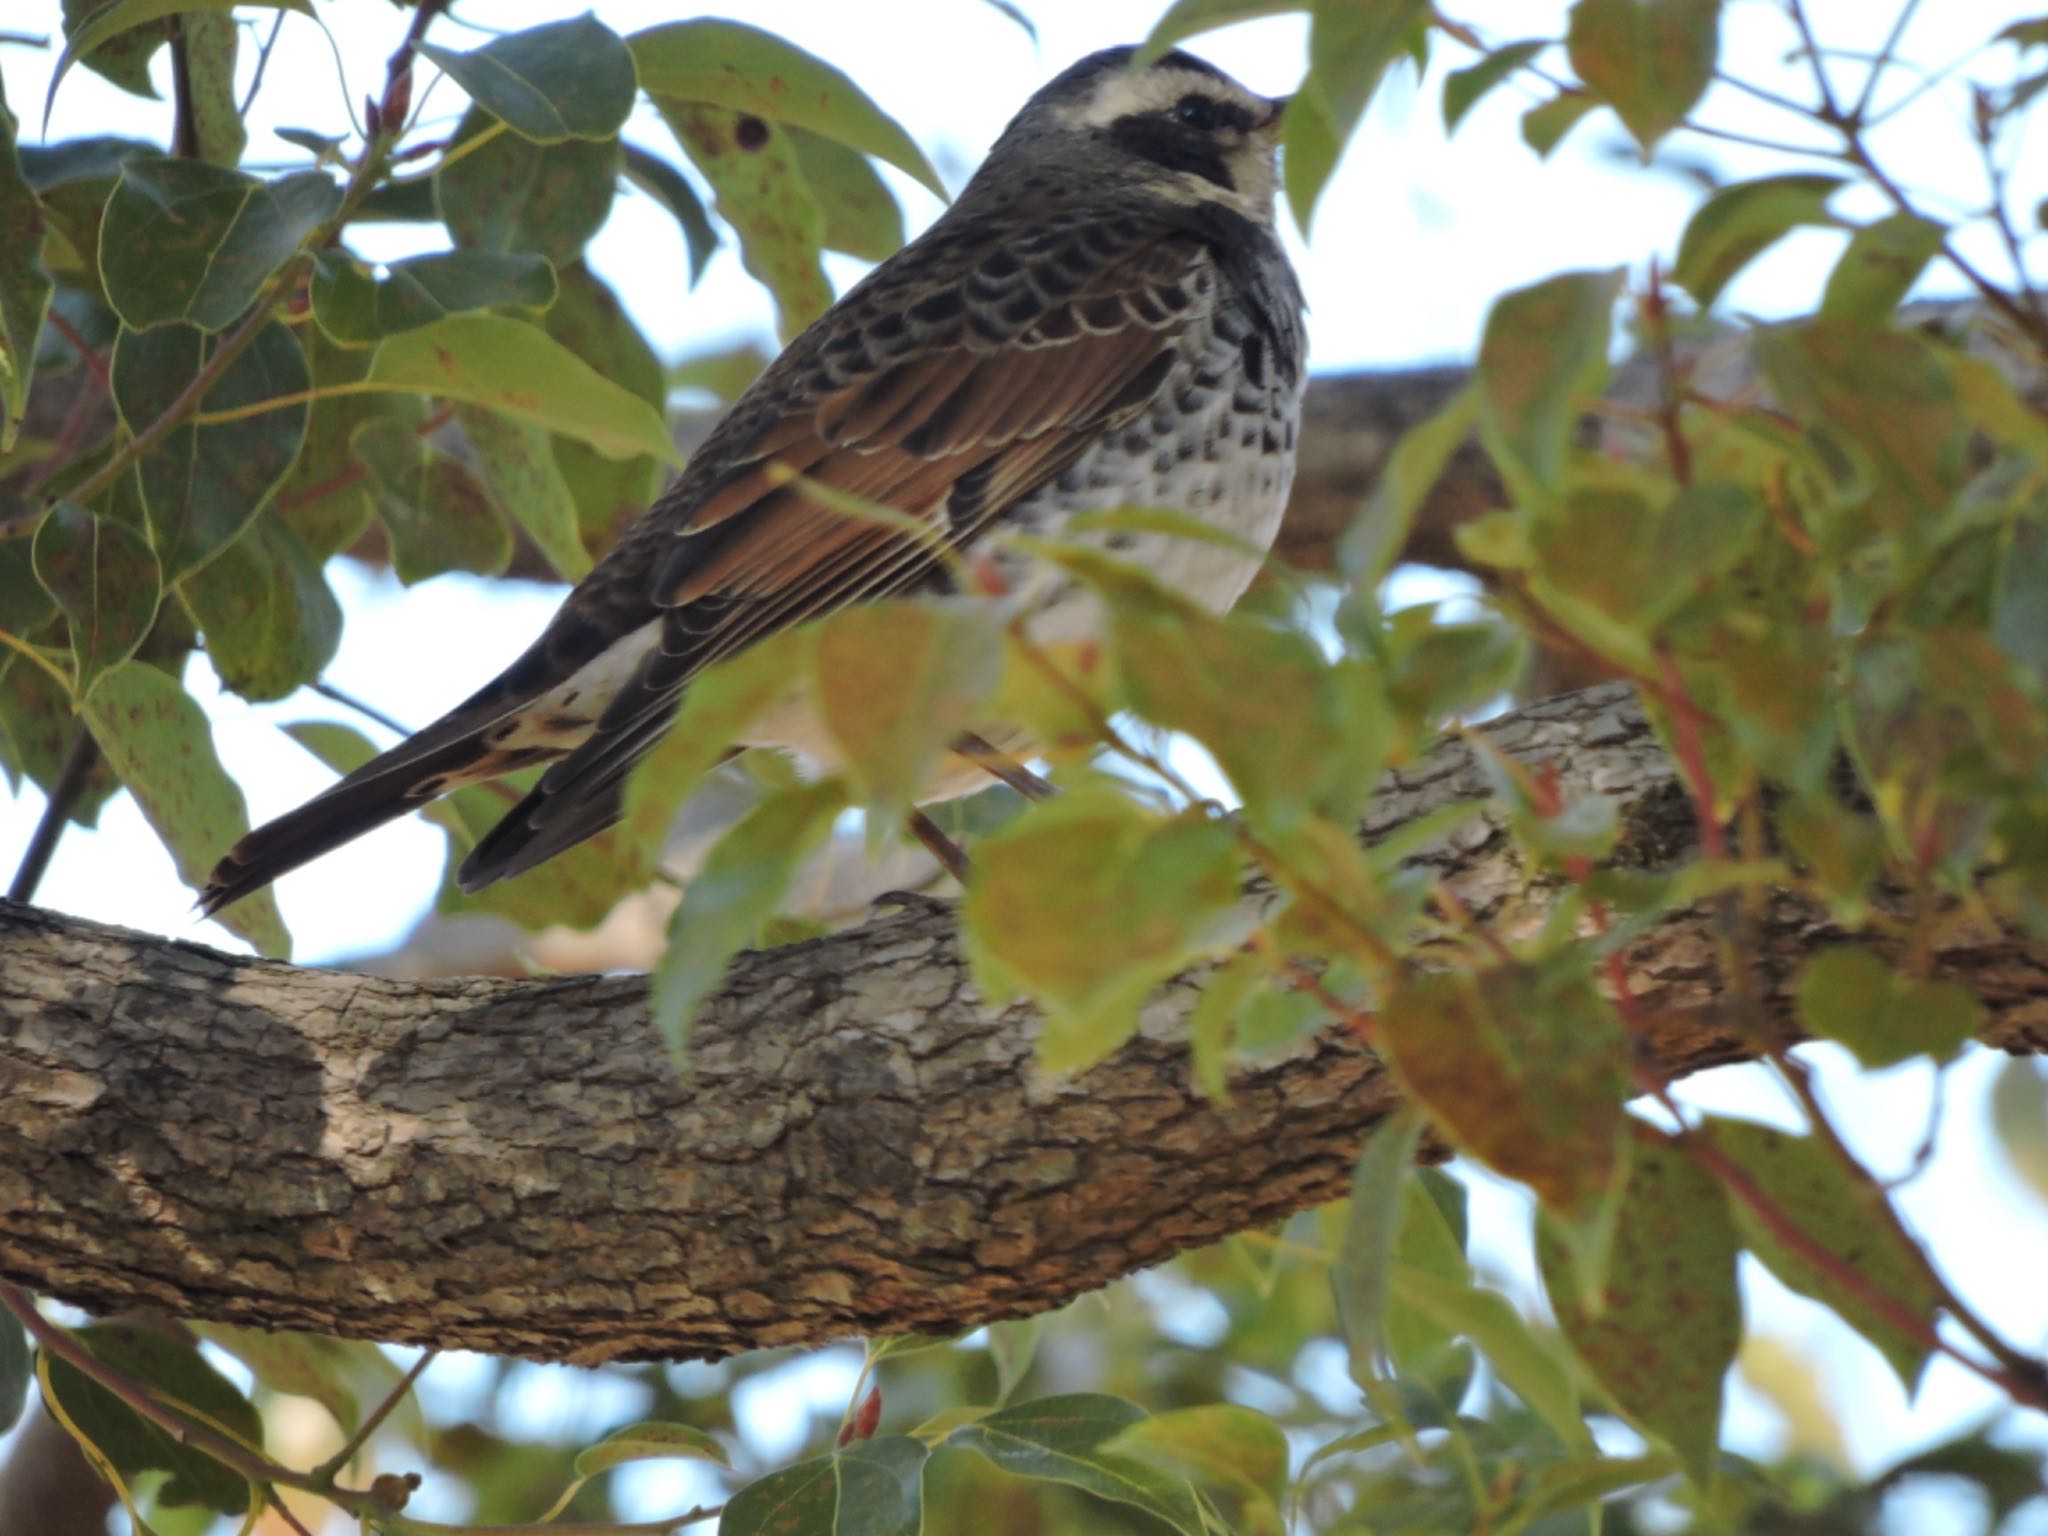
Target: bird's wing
[945,402]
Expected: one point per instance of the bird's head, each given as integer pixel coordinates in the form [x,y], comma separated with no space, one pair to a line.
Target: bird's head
[1177,126]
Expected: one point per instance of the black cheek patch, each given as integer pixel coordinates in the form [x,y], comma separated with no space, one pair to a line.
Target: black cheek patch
[1168,144]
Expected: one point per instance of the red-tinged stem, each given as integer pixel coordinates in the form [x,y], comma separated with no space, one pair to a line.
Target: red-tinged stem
[1692,758]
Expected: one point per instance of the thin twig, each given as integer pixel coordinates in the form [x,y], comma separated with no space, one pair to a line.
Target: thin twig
[329,1469]
[94,363]
[79,763]
[327,690]
[262,63]
[1884,60]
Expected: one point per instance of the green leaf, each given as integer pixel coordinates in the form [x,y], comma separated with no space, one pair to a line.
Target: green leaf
[1886,393]
[203,484]
[172,1371]
[212,39]
[1065,1440]
[1884,260]
[1663,1336]
[2019,1113]
[15,1372]
[1212,1023]
[1190,18]
[1543,357]
[324,497]
[518,461]
[743,882]
[1545,124]
[512,195]
[667,186]
[515,368]
[122,58]
[895,683]
[106,36]
[1524,1066]
[1739,223]
[270,621]
[1295,734]
[870,1488]
[1605,546]
[25,284]
[104,576]
[753,168]
[1219,1445]
[1090,903]
[304,1364]
[732,65]
[157,740]
[650,1441]
[566,80]
[2019,604]
[1648,59]
[1884,1016]
[1529,1368]
[589,320]
[1810,1187]
[1349,48]
[1379,1194]
[861,215]
[185,240]
[438,515]
[357,309]
[718,707]
[1465,88]
[1379,533]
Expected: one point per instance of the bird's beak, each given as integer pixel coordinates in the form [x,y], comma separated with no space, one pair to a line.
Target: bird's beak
[1270,128]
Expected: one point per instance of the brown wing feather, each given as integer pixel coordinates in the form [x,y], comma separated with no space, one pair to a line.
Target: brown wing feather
[1011,387]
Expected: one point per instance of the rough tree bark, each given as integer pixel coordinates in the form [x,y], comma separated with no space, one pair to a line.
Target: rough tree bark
[860,1144]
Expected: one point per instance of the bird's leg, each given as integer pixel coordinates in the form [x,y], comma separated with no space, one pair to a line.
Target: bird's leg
[979,751]
[951,856]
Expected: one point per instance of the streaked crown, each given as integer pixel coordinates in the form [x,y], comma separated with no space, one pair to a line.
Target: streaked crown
[1178,126]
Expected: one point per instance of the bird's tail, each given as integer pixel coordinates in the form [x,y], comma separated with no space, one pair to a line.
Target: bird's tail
[383,789]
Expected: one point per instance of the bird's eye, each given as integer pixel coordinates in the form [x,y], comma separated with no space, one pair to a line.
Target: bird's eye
[1199,113]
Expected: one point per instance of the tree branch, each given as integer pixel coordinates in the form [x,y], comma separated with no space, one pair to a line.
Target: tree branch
[861,1145]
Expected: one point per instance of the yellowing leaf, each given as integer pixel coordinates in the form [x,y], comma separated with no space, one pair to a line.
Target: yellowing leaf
[1648,59]
[729,64]
[1088,904]
[1544,356]
[895,683]
[515,368]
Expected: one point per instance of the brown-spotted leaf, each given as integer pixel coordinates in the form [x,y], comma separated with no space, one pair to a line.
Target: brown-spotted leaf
[1648,59]
[1664,1334]
[753,167]
[158,741]
[512,194]
[439,516]
[1544,355]
[1524,1066]
[729,64]
[1808,1185]
[203,484]
[104,576]
[270,621]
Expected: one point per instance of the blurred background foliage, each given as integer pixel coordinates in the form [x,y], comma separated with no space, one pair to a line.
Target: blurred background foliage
[1825,568]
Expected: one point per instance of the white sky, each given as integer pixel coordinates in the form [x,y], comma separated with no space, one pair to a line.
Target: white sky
[1415,237]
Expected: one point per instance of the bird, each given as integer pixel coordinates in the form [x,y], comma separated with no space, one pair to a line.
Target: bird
[1104,317]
